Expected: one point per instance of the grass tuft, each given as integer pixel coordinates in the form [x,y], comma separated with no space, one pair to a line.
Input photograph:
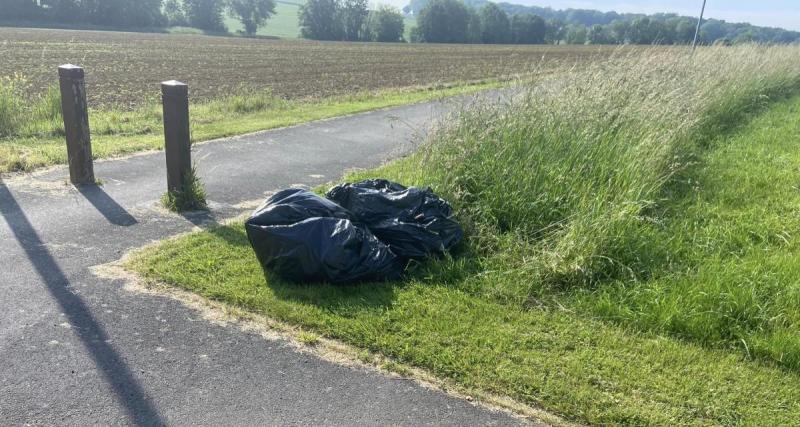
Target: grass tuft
[308,338]
[244,101]
[192,197]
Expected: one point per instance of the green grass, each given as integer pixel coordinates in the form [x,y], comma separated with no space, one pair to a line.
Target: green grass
[578,367]
[36,138]
[732,277]
[190,197]
[19,116]
[630,253]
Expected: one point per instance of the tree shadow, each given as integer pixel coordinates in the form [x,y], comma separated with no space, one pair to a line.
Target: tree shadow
[93,336]
[107,206]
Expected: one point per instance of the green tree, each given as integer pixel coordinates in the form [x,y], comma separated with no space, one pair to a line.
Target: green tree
[353,14]
[415,35]
[748,36]
[600,34]
[576,34]
[619,31]
[662,33]
[555,32]
[320,20]
[527,28]
[712,30]
[444,21]
[640,31]
[69,11]
[495,27]
[20,9]
[473,26]
[142,13]
[252,13]
[205,14]
[121,13]
[174,13]
[386,24]
[683,30]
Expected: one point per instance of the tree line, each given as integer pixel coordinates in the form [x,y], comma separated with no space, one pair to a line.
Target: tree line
[451,21]
[203,14]
[470,21]
[438,21]
[350,20]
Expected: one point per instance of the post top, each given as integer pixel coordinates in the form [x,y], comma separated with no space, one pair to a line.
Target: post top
[174,87]
[69,70]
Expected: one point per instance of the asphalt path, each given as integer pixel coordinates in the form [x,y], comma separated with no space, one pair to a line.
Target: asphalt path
[78,349]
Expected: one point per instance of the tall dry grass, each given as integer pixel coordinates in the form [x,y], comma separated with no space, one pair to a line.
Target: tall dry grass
[557,185]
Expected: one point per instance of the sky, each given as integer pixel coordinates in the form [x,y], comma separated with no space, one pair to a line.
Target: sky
[770,13]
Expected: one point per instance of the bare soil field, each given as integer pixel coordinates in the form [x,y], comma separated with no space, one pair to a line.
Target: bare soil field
[123,69]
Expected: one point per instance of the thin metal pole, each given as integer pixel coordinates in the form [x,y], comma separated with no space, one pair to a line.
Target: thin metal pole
[699,23]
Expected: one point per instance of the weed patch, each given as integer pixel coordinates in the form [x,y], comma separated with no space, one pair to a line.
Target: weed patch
[192,196]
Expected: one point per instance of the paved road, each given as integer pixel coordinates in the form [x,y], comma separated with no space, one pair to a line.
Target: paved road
[76,349]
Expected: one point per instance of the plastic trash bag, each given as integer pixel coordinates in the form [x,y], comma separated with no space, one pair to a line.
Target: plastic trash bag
[305,238]
[414,222]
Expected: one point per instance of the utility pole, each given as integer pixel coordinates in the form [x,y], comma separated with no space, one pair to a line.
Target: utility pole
[699,23]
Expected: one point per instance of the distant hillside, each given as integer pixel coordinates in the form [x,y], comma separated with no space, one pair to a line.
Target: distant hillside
[712,30]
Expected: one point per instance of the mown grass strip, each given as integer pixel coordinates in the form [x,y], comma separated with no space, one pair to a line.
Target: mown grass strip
[39,143]
[580,368]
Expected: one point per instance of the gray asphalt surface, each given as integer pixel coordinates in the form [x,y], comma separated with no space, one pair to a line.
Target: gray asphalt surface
[76,349]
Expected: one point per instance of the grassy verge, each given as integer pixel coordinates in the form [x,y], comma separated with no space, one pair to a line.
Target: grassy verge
[630,255]
[31,132]
[729,277]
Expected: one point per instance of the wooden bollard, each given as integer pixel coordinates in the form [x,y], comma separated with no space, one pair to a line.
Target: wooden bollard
[76,124]
[175,97]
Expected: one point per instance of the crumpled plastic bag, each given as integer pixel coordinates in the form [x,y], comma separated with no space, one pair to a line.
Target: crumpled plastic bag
[306,238]
[414,222]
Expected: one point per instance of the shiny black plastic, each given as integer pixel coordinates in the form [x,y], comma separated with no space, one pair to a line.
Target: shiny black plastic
[305,238]
[414,222]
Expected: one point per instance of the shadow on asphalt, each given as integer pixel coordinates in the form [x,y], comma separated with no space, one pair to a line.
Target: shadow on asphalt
[202,219]
[104,204]
[128,391]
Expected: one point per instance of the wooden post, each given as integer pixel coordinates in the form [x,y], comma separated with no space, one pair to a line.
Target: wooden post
[175,97]
[76,124]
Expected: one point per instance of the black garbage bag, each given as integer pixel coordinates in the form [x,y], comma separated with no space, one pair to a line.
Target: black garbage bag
[414,222]
[305,238]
